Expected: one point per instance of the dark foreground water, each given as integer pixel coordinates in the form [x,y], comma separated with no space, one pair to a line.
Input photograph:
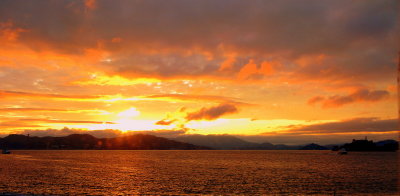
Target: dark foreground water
[198,172]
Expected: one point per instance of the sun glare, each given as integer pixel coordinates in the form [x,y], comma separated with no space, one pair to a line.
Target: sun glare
[129,113]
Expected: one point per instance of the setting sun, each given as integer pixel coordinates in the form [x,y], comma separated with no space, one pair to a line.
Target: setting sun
[129,113]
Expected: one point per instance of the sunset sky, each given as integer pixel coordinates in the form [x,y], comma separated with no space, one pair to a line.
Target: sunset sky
[280,71]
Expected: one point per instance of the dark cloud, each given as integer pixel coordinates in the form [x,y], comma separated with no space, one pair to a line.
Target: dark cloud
[212,113]
[161,65]
[165,133]
[190,38]
[189,97]
[361,95]
[315,100]
[106,133]
[348,126]
[165,122]
[16,94]
[364,62]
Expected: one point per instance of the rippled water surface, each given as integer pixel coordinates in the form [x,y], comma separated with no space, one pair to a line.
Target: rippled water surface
[198,172]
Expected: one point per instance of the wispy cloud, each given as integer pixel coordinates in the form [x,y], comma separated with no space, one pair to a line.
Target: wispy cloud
[182,116]
[42,122]
[16,94]
[107,133]
[347,126]
[32,110]
[165,122]
[191,97]
[362,95]
[212,113]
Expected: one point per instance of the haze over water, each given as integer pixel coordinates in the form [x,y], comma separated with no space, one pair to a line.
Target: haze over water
[198,172]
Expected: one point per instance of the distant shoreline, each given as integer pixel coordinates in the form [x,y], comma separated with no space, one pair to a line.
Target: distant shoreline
[150,142]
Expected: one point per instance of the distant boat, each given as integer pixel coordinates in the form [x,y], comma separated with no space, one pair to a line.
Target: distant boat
[342,151]
[5,151]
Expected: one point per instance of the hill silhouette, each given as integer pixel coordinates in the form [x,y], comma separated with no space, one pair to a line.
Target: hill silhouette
[229,142]
[369,145]
[313,146]
[86,141]
[224,142]
[188,142]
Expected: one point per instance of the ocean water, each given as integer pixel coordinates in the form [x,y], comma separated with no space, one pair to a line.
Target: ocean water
[198,172]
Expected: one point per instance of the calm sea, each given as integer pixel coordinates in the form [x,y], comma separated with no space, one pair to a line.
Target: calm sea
[198,172]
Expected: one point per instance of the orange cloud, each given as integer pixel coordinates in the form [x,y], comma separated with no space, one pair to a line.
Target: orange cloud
[254,71]
[15,94]
[392,88]
[228,63]
[361,95]
[58,121]
[90,4]
[8,31]
[116,40]
[315,100]
[248,70]
[304,61]
[268,67]
[32,110]
[24,123]
[18,124]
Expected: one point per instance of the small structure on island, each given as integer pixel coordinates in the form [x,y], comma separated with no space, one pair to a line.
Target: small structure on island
[342,151]
[369,145]
[360,145]
[5,151]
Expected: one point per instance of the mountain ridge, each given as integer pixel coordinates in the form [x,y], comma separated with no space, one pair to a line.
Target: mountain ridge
[229,142]
[86,141]
[188,142]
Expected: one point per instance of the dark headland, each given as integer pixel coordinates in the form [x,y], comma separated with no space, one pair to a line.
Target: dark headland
[89,142]
[229,142]
[190,142]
